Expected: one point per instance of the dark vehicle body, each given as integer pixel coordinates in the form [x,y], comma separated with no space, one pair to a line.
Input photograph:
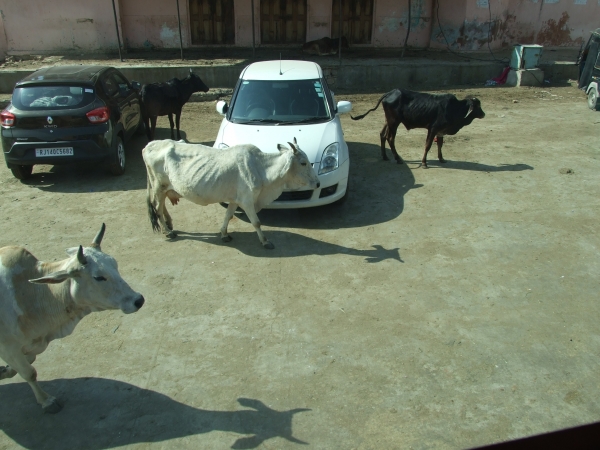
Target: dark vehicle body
[66,114]
[589,69]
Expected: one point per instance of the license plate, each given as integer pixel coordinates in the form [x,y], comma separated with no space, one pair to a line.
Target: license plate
[63,151]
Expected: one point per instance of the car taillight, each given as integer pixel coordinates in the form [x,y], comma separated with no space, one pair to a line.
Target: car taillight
[99,115]
[7,119]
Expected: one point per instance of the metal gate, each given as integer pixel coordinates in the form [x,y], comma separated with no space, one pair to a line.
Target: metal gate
[283,21]
[212,22]
[357,20]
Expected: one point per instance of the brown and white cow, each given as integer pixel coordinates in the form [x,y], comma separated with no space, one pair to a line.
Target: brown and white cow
[241,175]
[42,301]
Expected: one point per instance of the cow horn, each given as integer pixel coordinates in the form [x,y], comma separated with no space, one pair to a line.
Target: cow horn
[190,70]
[81,257]
[470,110]
[98,239]
[293,148]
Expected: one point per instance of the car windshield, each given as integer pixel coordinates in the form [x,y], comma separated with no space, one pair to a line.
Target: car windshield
[280,102]
[52,97]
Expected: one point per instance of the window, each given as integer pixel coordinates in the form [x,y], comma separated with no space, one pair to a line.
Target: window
[52,97]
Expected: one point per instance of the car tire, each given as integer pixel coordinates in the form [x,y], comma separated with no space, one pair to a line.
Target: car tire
[21,172]
[118,161]
[593,102]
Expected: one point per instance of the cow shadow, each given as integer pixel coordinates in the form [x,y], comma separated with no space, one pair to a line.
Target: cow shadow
[99,414]
[289,245]
[472,166]
[93,177]
[376,195]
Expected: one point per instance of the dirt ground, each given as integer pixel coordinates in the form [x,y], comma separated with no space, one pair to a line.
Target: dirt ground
[442,308]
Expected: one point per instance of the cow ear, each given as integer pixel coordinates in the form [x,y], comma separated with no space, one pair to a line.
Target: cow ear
[53,278]
[293,147]
[281,147]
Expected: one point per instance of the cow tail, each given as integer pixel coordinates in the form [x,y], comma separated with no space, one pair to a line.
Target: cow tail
[152,213]
[362,116]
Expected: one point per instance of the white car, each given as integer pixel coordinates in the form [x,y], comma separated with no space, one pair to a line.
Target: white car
[277,101]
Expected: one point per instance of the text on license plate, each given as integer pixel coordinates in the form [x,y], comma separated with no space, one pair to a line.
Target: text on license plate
[63,151]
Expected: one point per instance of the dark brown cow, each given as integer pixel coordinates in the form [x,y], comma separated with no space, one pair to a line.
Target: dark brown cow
[440,114]
[325,46]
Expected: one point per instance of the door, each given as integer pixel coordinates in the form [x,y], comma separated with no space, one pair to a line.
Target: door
[212,22]
[357,20]
[283,21]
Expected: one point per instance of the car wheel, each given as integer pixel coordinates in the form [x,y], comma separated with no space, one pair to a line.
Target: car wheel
[117,164]
[21,172]
[593,99]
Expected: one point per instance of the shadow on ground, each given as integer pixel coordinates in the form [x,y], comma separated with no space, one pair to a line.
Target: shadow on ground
[93,177]
[377,190]
[288,245]
[99,413]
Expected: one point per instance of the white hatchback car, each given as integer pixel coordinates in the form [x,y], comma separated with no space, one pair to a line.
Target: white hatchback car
[277,101]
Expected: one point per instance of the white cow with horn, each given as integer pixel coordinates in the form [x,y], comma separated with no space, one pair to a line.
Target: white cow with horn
[43,301]
[241,175]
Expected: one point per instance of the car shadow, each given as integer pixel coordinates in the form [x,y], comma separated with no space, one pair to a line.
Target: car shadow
[377,190]
[100,413]
[93,177]
[289,245]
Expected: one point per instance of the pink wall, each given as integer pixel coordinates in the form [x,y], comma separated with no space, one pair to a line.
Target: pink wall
[551,23]
[88,25]
[58,25]
[153,23]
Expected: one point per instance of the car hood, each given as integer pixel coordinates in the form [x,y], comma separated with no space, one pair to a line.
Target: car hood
[312,138]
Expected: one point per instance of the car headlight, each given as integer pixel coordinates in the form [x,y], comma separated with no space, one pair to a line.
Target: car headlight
[222,145]
[330,159]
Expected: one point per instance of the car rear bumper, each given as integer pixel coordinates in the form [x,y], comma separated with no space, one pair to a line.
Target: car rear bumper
[23,153]
[333,187]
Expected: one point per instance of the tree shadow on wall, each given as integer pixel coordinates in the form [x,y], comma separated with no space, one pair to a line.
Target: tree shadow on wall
[101,414]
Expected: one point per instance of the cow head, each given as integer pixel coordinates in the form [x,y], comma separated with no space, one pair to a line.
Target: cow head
[298,171]
[475,111]
[197,83]
[95,279]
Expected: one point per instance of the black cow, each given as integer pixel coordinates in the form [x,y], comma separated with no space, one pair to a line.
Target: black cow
[441,114]
[161,99]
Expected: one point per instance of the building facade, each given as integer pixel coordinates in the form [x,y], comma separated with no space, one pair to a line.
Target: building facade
[33,26]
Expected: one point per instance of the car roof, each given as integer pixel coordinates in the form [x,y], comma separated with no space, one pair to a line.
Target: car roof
[64,74]
[286,69]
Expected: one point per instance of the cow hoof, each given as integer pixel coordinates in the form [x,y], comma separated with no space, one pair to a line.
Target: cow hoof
[52,407]
[443,161]
[268,245]
[171,235]
[226,238]
[424,166]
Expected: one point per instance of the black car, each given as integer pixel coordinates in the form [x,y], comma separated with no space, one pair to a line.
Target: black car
[64,114]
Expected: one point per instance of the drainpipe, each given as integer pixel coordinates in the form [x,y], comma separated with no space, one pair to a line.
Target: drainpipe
[340,37]
[408,28]
[180,38]
[117,28]
[253,32]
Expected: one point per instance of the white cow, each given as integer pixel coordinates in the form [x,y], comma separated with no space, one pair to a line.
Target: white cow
[43,301]
[241,176]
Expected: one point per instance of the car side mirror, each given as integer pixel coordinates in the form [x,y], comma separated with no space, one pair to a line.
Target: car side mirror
[222,107]
[344,107]
[136,85]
